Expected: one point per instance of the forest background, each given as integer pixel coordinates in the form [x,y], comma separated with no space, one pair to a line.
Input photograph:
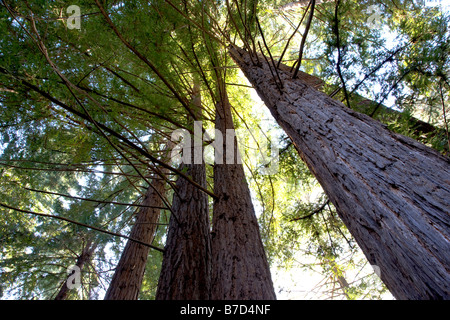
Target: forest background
[91,93]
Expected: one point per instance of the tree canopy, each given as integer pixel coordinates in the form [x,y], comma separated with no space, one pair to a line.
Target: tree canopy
[86,114]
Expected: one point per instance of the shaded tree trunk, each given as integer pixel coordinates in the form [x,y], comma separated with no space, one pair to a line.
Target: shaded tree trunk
[240,268]
[82,260]
[128,276]
[186,267]
[392,192]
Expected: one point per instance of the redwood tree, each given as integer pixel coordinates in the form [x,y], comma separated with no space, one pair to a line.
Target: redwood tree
[240,268]
[127,280]
[186,268]
[391,191]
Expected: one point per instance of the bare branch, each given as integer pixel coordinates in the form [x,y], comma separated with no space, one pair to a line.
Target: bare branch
[293,34]
[319,209]
[144,59]
[280,86]
[338,45]
[93,200]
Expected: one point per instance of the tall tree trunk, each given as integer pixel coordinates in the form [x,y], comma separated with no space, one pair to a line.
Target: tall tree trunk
[128,276]
[240,268]
[83,258]
[392,192]
[382,113]
[186,267]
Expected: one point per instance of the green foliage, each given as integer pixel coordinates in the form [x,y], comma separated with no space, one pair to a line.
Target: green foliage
[91,138]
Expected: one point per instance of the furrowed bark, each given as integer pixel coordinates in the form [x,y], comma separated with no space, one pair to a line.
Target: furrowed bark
[240,268]
[128,276]
[393,193]
[186,268]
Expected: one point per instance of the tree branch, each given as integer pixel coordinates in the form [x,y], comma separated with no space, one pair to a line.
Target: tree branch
[338,44]
[293,34]
[271,58]
[80,224]
[118,136]
[144,59]
[93,200]
[305,34]
[313,212]
[443,110]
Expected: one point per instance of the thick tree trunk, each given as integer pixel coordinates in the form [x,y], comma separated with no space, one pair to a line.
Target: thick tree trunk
[186,267]
[185,273]
[392,192]
[128,276]
[299,4]
[83,258]
[240,268]
[382,112]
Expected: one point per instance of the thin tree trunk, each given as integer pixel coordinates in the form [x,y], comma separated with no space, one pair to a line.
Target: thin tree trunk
[186,267]
[240,268]
[83,258]
[128,276]
[392,192]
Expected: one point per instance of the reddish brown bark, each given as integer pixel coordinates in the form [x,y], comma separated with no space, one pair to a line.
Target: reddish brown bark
[392,192]
[128,276]
[82,260]
[239,269]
